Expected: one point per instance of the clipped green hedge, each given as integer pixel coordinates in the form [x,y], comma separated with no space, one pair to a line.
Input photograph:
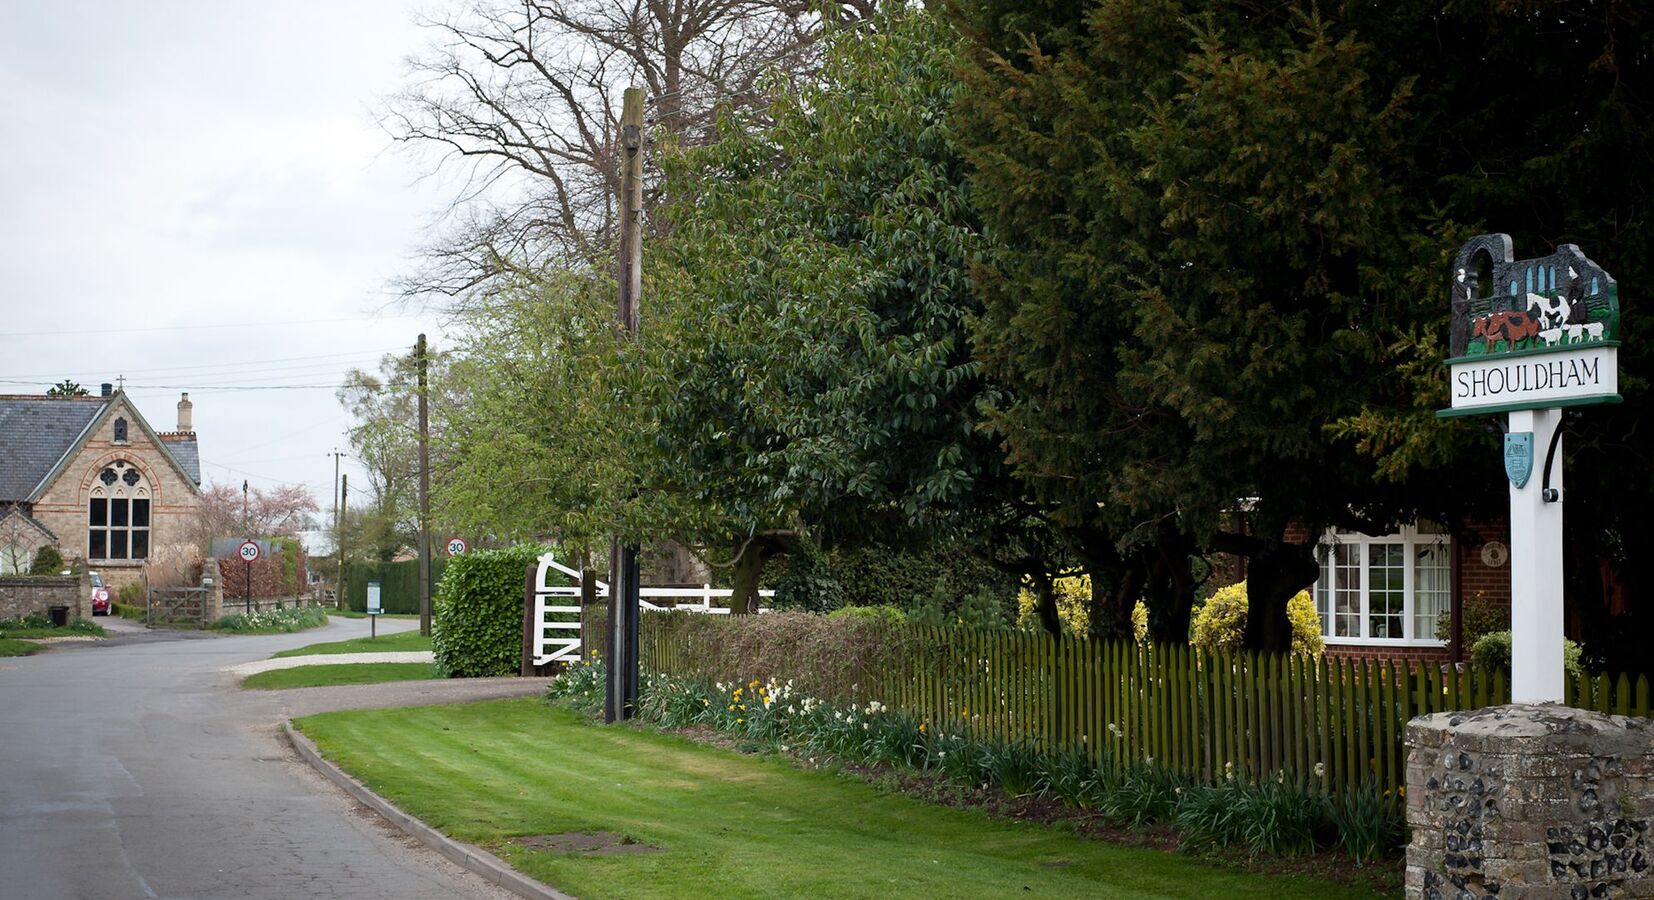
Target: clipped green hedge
[477,613]
[398,584]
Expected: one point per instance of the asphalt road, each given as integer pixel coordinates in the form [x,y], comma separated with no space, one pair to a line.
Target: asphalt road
[135,768]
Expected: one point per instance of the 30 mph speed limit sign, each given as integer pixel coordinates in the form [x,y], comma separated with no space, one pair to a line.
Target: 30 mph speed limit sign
[248,551]
[456,546]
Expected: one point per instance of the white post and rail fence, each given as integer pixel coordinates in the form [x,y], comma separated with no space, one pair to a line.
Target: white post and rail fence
[552,612]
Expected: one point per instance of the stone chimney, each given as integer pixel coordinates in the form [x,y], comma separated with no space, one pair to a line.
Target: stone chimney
[186,409]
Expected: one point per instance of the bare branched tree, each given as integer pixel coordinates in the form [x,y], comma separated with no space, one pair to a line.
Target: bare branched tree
[521,96]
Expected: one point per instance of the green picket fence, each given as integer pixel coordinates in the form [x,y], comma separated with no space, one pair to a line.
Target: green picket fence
[1204,715]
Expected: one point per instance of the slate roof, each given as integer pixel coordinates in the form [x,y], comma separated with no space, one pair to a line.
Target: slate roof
[35,432]
[188,454]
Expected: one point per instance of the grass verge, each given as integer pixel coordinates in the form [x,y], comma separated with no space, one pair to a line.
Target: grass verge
[385,643]
[344,673]
[729,825]
[353,614]
[9,647]
[77,628]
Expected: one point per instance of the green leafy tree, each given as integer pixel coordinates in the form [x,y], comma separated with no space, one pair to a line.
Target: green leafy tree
[809,310]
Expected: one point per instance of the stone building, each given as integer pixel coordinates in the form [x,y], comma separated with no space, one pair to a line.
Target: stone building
[91,477]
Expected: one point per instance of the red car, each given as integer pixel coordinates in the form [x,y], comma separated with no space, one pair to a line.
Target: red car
[100,596]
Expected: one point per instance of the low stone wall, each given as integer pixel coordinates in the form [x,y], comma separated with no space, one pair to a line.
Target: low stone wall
[20,597]
[1529,801]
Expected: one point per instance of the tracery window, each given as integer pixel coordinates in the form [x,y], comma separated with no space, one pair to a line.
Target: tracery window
[118,515]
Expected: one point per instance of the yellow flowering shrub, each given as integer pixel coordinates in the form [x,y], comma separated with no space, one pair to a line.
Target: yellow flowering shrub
[1222,621]
[1073,595]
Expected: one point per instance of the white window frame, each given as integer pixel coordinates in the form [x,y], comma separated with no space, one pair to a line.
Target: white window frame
[1411,540]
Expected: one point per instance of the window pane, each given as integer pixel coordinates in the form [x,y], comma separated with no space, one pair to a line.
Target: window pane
[1432,573]
[140,513]
[117,545]
[1347,590]
[1386,593]
[97,544]
[118,509]
[140,544]
[99,513]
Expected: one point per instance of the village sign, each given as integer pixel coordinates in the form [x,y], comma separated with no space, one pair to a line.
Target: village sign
[1531,338]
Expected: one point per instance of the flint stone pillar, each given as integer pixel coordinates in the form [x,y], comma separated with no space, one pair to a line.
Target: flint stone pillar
[1533,801]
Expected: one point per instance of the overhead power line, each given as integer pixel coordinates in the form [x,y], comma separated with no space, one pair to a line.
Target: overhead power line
[201,327]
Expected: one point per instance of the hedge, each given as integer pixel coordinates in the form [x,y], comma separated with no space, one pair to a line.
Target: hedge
[477,613]
[398,584]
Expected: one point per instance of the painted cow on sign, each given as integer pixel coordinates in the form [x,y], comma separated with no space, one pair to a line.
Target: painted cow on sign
[1509,327]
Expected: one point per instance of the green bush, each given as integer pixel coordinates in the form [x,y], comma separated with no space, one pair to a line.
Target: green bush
[890,615]
[906,578]
[398,584]
[477,613]
[47,561]
[132,594]
[1492,652]
[808,583]
[1479,616]
[1222,621]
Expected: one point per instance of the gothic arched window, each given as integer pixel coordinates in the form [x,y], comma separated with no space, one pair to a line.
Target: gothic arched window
[120,431]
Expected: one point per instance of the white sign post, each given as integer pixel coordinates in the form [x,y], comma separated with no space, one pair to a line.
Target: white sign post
[374,609]
[248,551]
[1541,336]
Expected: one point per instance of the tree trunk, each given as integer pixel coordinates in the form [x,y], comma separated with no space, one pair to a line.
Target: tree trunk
[1045,604]
[748,566]
[1169,590]
[1274,575]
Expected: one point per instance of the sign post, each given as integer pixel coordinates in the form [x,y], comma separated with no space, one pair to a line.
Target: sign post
[248,551]
[1540,336]
[374,608]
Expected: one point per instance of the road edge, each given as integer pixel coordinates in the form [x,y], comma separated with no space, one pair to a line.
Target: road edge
[471,858]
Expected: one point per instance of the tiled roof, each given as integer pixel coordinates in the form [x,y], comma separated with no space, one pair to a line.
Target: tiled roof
[35,432]
[188,454]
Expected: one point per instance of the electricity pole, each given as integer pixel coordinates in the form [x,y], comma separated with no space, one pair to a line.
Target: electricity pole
[344,507]
[338,529]
[424,493]
[621,700]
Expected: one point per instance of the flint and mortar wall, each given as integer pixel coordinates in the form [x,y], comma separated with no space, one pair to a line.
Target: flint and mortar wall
[1529,801]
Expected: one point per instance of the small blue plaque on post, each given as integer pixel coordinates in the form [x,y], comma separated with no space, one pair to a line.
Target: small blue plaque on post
[1519,457]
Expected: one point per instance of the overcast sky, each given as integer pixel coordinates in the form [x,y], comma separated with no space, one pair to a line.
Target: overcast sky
[195,195]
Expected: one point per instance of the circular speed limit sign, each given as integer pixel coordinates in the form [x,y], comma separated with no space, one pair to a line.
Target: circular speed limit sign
[456,546]
[248,551]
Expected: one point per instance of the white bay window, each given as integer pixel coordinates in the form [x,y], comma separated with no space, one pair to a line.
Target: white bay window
[1384,590]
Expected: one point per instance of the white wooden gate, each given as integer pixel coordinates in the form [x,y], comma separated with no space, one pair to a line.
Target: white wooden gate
[555,624]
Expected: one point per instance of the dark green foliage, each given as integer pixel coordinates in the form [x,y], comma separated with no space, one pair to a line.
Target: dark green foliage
[398,584]
[1275,818]
[1370,823]
[132,594]
[910,578]
[812,298]
[47,561]
[477,613]
[808,583]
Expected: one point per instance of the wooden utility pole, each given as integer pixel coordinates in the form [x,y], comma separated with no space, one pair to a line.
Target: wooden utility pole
[424,494]
[621,700]
[344,507]
[338,530]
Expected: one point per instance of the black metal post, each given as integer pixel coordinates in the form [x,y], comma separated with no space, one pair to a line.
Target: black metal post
[249,588]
